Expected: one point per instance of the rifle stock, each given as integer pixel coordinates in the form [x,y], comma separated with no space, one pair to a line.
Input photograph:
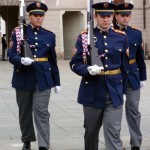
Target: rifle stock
[95,59]
[26,51]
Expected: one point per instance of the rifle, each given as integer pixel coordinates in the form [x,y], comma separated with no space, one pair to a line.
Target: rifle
[95,59]
[26,51]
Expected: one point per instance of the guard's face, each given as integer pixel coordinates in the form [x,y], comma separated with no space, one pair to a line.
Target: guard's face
[104,22]
[123,19]
[36,19]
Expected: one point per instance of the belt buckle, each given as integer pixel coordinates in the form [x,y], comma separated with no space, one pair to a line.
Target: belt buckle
[106,72]
[35,59]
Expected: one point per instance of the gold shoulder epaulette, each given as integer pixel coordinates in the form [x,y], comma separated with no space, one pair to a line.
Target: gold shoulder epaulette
[84,31]
[18,27]
[48,31]
[119,31]
[134,27]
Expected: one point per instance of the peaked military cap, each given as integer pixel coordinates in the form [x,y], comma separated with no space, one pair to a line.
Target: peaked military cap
[36,8]
[124,8]
[104,8]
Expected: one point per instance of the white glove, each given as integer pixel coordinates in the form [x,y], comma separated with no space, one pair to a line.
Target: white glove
[142,84]
[94,70]
[57,89]
[124,97]
[26,61]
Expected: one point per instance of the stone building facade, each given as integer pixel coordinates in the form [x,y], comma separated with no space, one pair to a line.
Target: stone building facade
[67,18]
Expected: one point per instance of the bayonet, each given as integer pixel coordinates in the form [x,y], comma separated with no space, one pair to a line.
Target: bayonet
[95,59]
[26,51]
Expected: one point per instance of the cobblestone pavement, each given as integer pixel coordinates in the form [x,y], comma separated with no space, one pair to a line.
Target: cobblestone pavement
[66,114]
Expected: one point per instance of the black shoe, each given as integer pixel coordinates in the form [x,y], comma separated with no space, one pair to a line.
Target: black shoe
[135,148]
[26,146]
[42,148]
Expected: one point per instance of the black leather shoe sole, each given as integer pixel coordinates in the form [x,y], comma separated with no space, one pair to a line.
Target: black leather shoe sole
[135,148]
[42,148]
[26,146]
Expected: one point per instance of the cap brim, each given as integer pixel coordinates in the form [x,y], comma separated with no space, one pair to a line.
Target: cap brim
[37,12]
[125,13]
[105,13]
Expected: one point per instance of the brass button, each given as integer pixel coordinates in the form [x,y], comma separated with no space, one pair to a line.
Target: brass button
[106,66]
[135,44]
[105,36]
[106,58]
[35,32]
[86,82]
[35,49]
[105,43]
[34,56]
[36,38]
[106,51]
[120,50]
[36,43]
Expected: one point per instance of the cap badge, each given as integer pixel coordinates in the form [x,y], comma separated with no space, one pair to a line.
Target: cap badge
[105,5]
[126,5]
[38,5]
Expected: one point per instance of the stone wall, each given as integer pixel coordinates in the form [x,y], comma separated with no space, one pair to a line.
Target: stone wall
[54,20]
[0,47]
[147,31]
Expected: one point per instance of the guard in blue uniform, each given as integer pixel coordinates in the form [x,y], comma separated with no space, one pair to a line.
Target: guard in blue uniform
[34,78]
[101,90]
[137,72]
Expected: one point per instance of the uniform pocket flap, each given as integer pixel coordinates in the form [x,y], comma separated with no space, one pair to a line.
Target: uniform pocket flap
[47,44]
[134,43]
[46,67]
[118,49]
[89,81]
[118,79]
[134,68]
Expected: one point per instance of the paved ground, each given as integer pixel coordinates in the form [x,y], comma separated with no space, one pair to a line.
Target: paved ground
[66,114]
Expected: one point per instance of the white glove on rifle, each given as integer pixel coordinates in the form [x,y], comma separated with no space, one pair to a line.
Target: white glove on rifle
[57,89]
[94,70]
[142,84]
[26,61]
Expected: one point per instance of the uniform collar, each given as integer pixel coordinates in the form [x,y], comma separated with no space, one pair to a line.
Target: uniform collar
[35,28]
[104,31]
[121,27]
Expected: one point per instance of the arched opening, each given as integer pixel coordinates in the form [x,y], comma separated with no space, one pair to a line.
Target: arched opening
[73,24]
[10,16]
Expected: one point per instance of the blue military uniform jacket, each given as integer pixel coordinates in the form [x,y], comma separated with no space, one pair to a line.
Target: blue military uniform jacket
[112,47]
[137,65]
[43,73]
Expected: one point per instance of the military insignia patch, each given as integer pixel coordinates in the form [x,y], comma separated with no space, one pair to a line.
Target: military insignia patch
[105,5]
[126,5]
[38,5]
